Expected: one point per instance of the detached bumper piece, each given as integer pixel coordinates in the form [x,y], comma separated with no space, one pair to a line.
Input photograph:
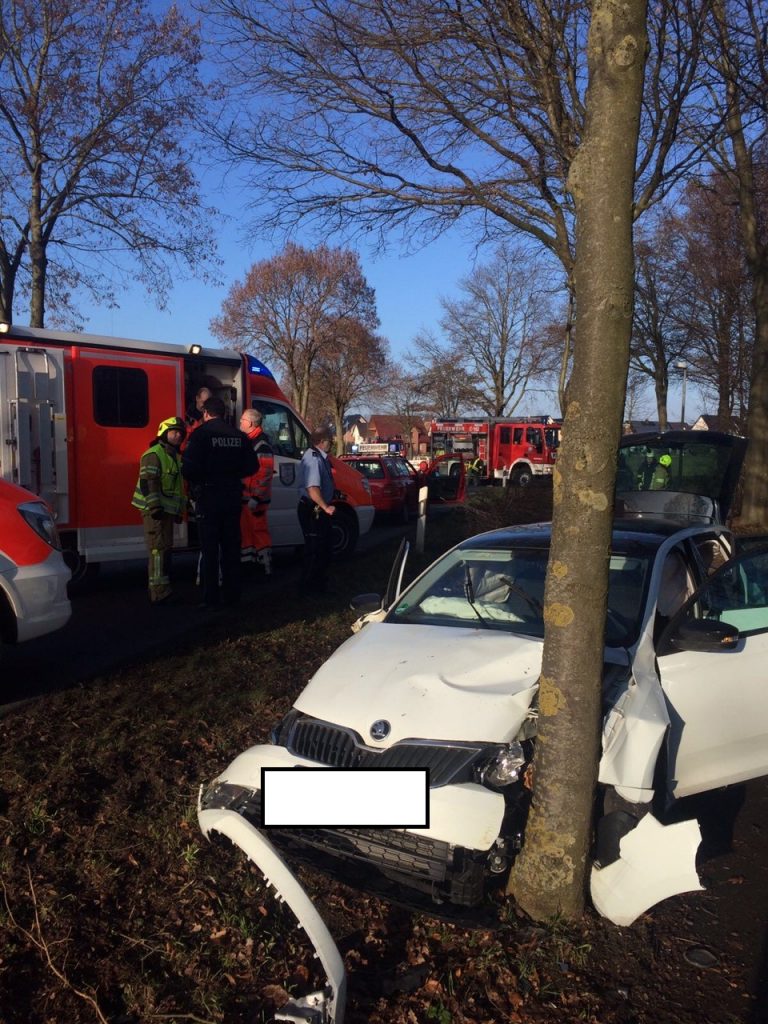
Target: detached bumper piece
[324,1007]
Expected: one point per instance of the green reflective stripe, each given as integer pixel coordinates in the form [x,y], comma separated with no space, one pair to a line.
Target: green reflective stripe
[170,497]
[157,577]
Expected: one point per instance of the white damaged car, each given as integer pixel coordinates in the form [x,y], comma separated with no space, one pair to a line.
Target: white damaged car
[443,676]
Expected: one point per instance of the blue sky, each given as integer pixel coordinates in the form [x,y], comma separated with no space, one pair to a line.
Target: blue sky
[408,290]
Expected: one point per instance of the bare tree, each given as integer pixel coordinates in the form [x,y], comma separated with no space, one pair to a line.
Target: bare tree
[498,330]
[548,877]
[403,394]
[445,384]
[716,308]
[348,370]
[662,284]
[382,114]
[293,306]
[740,56]
[96,98]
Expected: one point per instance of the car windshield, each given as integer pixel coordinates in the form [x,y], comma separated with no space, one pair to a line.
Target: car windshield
[504,589]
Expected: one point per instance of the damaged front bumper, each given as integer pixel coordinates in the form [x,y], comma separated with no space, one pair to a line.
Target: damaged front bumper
[324,1007]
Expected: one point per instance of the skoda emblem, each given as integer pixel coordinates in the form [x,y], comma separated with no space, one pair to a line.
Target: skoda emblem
[380,729]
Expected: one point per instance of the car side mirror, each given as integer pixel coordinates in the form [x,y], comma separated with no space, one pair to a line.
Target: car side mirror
[703,635]
[364,604]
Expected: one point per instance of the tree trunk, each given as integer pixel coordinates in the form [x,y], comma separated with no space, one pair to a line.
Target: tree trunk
[660,384]
[38,265]
[754,503]
[549,876]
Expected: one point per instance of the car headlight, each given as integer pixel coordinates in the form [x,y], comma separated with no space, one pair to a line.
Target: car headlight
[37,515]
[503,768]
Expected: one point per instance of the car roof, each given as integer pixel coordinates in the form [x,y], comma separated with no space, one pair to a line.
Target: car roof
[630,533]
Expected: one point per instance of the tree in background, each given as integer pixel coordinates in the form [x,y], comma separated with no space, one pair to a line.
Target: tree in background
[96,97]
[293,307]
[739,56]
[659,338]
[348,370]
[445,386]
[497,331]
[390,116]
[402,394]
[715,310]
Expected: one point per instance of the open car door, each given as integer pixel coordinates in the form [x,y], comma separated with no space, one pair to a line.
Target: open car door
[446,479]
[711,662]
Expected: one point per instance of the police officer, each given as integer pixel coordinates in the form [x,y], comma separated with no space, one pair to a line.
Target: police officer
[215,461]
[316,488]
[159,496]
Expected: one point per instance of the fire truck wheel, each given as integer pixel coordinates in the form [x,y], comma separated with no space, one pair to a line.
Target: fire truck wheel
[521,476]
[345,531]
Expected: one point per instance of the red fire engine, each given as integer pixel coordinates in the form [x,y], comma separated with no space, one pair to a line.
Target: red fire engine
[77,411]
[513,451]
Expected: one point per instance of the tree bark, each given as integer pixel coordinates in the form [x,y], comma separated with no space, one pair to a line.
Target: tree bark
[754,503]
[549,876]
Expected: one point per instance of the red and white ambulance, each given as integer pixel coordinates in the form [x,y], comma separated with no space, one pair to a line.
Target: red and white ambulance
[78,410]
[33,574]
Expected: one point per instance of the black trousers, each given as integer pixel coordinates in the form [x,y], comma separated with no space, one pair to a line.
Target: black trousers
[318,546]
[218,520]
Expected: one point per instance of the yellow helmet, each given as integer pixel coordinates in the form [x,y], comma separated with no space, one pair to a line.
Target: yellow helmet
[665,460]
[172,423]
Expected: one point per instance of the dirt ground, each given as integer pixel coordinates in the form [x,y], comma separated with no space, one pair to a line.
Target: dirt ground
[114,909]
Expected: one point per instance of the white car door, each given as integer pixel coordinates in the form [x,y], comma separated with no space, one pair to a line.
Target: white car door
[718,698]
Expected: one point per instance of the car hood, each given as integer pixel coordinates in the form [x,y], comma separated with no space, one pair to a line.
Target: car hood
[427,682]
[704,472]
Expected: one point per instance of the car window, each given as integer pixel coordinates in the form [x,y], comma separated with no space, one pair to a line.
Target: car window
[370,468]
[737,594]
[680,467]
[492,589]
[504,589]
[399,466]
[286,434]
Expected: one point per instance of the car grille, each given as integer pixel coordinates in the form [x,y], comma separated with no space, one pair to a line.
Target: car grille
[338,747]
[435,868]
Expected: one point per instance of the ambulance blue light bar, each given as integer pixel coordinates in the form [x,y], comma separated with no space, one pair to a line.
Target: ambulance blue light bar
[256,366]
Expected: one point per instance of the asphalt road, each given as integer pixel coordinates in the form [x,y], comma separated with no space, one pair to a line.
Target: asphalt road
[113,623]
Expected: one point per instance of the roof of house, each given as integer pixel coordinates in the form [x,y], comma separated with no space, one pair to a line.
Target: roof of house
[392,426]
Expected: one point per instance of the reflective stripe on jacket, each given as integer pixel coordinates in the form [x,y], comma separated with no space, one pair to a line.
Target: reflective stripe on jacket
[159,485]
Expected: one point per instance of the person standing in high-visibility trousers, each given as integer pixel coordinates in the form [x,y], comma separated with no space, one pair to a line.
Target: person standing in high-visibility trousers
[255,541]
[159,496]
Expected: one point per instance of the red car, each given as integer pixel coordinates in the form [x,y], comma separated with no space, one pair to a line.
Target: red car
[394,483]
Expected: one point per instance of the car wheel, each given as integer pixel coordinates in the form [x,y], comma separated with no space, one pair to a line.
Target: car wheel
[344,531]
[521,476]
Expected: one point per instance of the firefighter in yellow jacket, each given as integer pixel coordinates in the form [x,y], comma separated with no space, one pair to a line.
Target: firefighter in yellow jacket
[159,496]
[256,543]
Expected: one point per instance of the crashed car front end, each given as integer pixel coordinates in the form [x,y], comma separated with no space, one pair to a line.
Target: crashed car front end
[475,820]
